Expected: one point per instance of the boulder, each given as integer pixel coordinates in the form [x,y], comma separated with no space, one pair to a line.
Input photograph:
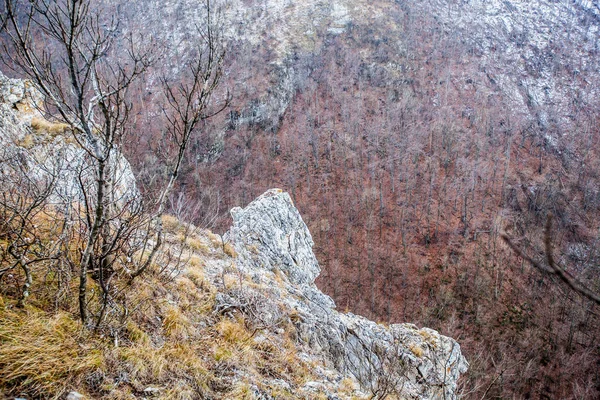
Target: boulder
[46,152]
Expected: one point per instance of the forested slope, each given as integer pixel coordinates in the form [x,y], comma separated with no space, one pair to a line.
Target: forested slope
[410,135]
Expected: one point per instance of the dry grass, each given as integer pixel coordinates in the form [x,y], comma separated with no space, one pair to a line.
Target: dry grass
[27,142]
[195,262]
[243,391]
[229,250]
[172,340]
[196,275]
[44,355]
[348,386]
[192,242]
[171,223]
[233,331]
[40,125]
[197,244]
[416,350]
[153,364]
[215,239]
[136,334]
[218,243]
[176,324]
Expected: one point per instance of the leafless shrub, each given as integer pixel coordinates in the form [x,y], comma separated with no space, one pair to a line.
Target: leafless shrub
[72,52]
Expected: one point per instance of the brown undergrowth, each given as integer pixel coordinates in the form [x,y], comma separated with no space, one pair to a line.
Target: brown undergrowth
[170,343]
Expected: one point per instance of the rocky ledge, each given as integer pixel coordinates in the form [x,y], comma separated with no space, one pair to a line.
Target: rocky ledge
[274,249]
[263,268]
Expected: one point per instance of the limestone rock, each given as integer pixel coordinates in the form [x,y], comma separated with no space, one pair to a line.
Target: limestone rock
[151,391]
[274,246]
[20,94]
[47,151]
[275,237]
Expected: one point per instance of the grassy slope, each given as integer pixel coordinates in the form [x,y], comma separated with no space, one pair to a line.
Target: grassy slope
[172,340]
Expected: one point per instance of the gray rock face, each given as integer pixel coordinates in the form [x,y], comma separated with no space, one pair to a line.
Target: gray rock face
[274,246]
[275,238]
[17,91]
[46,152]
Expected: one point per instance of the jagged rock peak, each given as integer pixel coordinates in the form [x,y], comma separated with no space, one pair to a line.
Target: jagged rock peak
[275,237]
[270,237]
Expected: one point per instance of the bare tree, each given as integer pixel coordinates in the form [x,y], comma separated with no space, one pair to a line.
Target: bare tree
[74,52]
[21,203]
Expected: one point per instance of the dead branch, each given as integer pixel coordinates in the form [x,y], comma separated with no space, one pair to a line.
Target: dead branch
[553,267]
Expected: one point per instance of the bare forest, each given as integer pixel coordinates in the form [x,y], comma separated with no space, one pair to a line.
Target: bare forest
[408,179]
[428,192]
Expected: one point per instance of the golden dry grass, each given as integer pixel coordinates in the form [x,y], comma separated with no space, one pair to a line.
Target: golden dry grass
[27,142]
[171,223]
[233,331]
[195,262]
[176,324]
[45,354]
[214,239]
[197,244]
[416,350]
[171,339]
[229,250]
[40,125]
[160,364]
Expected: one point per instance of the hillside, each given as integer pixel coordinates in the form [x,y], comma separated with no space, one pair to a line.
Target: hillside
[215,317]
[411,136]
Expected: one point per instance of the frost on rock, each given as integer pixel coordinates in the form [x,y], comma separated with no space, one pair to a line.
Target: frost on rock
[274,247]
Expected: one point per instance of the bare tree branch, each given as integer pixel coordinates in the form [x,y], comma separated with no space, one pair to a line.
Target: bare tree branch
[71,52]
[553,267]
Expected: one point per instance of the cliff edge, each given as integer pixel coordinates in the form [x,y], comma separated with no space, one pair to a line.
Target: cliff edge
[274,247]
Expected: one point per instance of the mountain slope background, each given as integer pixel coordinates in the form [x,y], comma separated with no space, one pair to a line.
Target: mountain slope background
[410,135]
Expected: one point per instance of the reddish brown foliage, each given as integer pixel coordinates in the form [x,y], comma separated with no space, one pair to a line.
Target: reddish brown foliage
[406,182]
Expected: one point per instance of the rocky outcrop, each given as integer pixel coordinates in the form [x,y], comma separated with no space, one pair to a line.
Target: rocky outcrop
[274,247]
[274,269]
[541,55]
[270,234]
[46,152]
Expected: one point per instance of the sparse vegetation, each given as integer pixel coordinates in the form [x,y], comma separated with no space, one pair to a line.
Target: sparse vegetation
[86,74]
[401,136]
[42,126]
[45,354]
[171,340]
